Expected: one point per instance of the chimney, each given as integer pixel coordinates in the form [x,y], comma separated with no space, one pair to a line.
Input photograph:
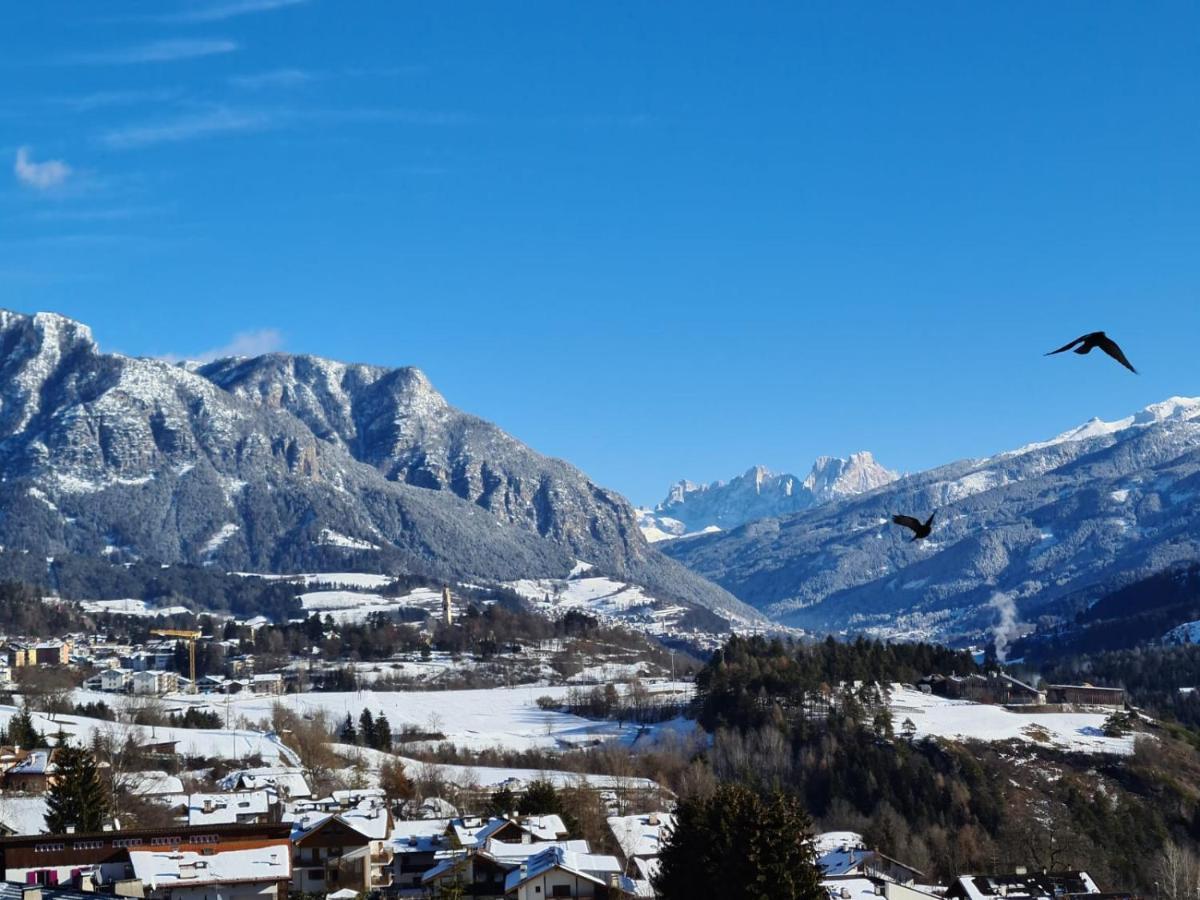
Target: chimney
[31,892]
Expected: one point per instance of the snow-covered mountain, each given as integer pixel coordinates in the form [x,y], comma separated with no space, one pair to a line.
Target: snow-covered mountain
[289,463]
[698,508]
[1103,502]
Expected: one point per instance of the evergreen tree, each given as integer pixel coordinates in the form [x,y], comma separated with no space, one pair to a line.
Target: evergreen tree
[501,803]
[366,726]
[76,797]
[740,846]
[21,731]
[540,798]
[382,738]
[348,735]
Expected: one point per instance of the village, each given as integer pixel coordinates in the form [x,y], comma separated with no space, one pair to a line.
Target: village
[241,808]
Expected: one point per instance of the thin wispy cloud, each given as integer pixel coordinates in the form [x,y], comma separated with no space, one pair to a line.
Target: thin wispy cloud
[219,12]
[277,78]
[109,99]
[156,51]
[188,127]
[105,214]
[41,176]
[244,343]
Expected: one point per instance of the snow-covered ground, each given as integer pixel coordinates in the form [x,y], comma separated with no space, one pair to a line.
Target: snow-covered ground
[495,776]
[478,719]
[960,719]
[228,744]
[1187,633]
[356,606]
[131,607]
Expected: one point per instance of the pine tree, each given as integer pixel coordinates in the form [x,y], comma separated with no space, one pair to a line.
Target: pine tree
[501,803]
[540,798]
[366,726]
[382,738]
[21,731]
[348,735]
[740,846]
[76,797]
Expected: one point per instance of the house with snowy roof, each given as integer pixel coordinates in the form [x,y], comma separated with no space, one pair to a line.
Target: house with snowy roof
[484,870]
[33,773]
[289,781]
[416,846]
[252,873]
[555,872]
[843,853]
[474,831]
[641,836]
[348,849]
[1022,885]
[238,807]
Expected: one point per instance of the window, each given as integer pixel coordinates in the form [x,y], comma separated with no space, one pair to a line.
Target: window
[127,842]
[88,845]
[560,890]
[49,848]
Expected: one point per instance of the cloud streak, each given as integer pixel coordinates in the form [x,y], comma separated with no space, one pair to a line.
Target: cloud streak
[185,128]
[156,52]
[244,343]
[219,12]
[41,176]
[278,78]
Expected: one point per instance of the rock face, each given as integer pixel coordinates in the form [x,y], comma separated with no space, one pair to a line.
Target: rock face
[1032,525]
[760,494]
[281,463]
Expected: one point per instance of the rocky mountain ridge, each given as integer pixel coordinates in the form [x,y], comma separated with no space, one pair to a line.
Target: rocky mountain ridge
[288,463]
[1025,527]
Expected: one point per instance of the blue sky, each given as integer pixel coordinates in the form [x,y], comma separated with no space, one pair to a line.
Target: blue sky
[660,240]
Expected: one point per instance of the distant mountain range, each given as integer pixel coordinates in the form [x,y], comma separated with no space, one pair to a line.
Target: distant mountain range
[1017,533]
[283,463]
[759,494]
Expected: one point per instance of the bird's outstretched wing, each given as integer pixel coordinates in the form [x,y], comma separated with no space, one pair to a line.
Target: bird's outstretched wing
[907,522]
[1109,346]
[1065,347]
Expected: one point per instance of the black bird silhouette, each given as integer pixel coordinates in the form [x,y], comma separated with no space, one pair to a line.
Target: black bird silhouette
[920,529]
[1088,342]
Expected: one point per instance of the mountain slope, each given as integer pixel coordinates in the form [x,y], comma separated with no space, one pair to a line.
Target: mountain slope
[1031,525]
[105,454]
[760,494]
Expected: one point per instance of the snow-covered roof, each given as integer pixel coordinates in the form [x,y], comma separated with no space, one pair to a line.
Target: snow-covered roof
[370,822]
[419,835]
[36,763]
[153,782]
[581,865]
[23,815]
[641,835]
[1032,885]
[172,867]
[515,854]
[839,852]
[224,809]
[475,832]
[343,894]
[288,780]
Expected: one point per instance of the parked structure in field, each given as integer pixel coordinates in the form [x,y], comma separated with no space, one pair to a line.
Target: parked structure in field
[1085,695]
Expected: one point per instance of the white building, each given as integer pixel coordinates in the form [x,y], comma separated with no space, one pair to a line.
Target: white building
[116,680]
[155,681]
[562,873]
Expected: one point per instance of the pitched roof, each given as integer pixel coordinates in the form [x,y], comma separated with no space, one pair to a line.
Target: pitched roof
[581,865]
[172,867]
[641,835]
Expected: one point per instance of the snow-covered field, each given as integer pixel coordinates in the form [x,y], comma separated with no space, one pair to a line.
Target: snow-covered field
[131,608]
[356,606]
[1187,633]
[940,717]
[495,776]
[478,719]
[228,744]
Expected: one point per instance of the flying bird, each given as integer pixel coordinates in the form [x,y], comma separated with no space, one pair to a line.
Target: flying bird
[1088,342]
[920,529]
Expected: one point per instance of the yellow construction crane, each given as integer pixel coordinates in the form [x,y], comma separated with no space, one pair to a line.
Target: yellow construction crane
[188,635]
